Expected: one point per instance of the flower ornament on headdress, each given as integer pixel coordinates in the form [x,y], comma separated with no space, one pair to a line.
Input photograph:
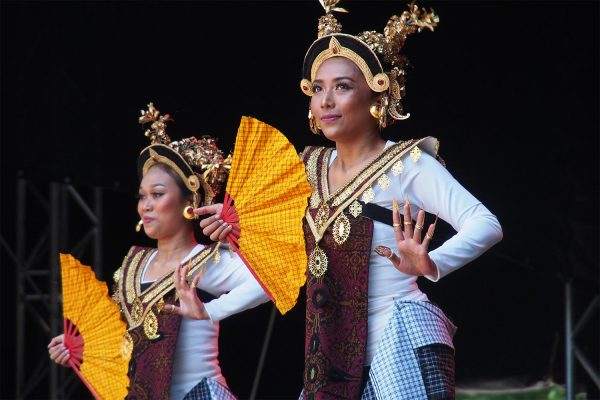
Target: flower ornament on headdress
[198,162]
[377,55]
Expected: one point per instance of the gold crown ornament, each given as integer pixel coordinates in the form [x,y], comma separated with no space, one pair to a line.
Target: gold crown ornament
[198,162]
[377,55]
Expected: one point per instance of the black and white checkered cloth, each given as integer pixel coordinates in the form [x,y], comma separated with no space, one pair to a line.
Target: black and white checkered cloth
[415,357]
[208,389]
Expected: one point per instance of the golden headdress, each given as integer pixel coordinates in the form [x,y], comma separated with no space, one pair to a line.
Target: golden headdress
[377,55]
[198,162]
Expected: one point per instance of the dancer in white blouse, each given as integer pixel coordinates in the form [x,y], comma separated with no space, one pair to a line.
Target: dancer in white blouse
[370,332]
[173,312]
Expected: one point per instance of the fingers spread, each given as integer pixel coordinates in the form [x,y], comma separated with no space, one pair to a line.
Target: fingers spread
[419,226]
[397,221]
[408,229]
[428,236]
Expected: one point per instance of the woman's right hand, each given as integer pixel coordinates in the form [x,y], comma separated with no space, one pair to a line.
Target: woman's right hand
[58,352]
[214,227]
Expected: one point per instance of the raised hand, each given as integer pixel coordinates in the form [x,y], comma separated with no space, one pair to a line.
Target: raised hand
[190,305]
[413,250]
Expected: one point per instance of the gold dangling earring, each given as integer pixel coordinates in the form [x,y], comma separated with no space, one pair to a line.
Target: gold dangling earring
[188,212]
[139,225]
[375,110]
[312,124]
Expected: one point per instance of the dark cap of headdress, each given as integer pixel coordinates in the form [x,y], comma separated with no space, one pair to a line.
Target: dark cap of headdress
[198,162]
[377,55]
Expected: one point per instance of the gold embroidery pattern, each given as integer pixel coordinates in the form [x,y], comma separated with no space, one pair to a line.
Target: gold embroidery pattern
[217,258]
[322,215]
[137,309]
[314,199]
[324,173]
[317,262]
[126,346]
[355,209]
[151,326]
[415,153]
[368,195]
[398,168]
[311,168]
[130,282]
[383,181]
[387,156]
[341,229]
[160,305]
[143,302]
[198,261]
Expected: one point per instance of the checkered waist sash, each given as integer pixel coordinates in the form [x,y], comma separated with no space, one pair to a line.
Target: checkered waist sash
[337,314]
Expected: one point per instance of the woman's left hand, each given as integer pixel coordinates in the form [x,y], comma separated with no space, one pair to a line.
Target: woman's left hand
[413,250]
[190,305]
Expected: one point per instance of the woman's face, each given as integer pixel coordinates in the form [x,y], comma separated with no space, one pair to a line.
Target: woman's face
[341,100]
[160,204]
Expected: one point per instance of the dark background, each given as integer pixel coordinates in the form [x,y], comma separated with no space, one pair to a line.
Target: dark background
[509,88]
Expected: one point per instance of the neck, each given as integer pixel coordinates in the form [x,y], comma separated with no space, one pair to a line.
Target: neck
[176,247]
[358,150]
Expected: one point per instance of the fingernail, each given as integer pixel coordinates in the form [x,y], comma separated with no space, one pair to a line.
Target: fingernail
[406,202]
[395,205]
[383,251]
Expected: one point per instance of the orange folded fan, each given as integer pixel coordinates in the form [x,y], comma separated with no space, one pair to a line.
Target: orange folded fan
[94,332]
[267,186]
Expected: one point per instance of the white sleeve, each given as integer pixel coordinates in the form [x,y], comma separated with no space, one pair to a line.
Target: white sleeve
[431,187]
[235,286]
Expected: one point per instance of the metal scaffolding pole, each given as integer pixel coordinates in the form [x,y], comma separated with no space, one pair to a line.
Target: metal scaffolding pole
[38,302]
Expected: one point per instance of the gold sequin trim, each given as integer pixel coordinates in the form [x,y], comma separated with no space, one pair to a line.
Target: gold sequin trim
[130,280]
[151,326]
[368,195]
[311,168]
[355,209]
[167,282]
[137,309]
[345,192]
[341,229]
[415,153]
[384,182]
[314,199]
[398,168]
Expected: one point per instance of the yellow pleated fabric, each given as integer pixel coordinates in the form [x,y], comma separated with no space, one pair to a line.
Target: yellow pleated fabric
[86,304]
[269,188]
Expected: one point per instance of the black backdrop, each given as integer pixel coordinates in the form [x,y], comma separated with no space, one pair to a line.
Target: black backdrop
[509,88]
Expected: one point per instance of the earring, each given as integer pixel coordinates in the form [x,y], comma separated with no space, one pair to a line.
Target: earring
[188,212]
[375,110]
[138,226]
[314,128]
[378,111]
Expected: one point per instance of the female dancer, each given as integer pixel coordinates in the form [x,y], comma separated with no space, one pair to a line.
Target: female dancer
[370,332]
[171,322]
